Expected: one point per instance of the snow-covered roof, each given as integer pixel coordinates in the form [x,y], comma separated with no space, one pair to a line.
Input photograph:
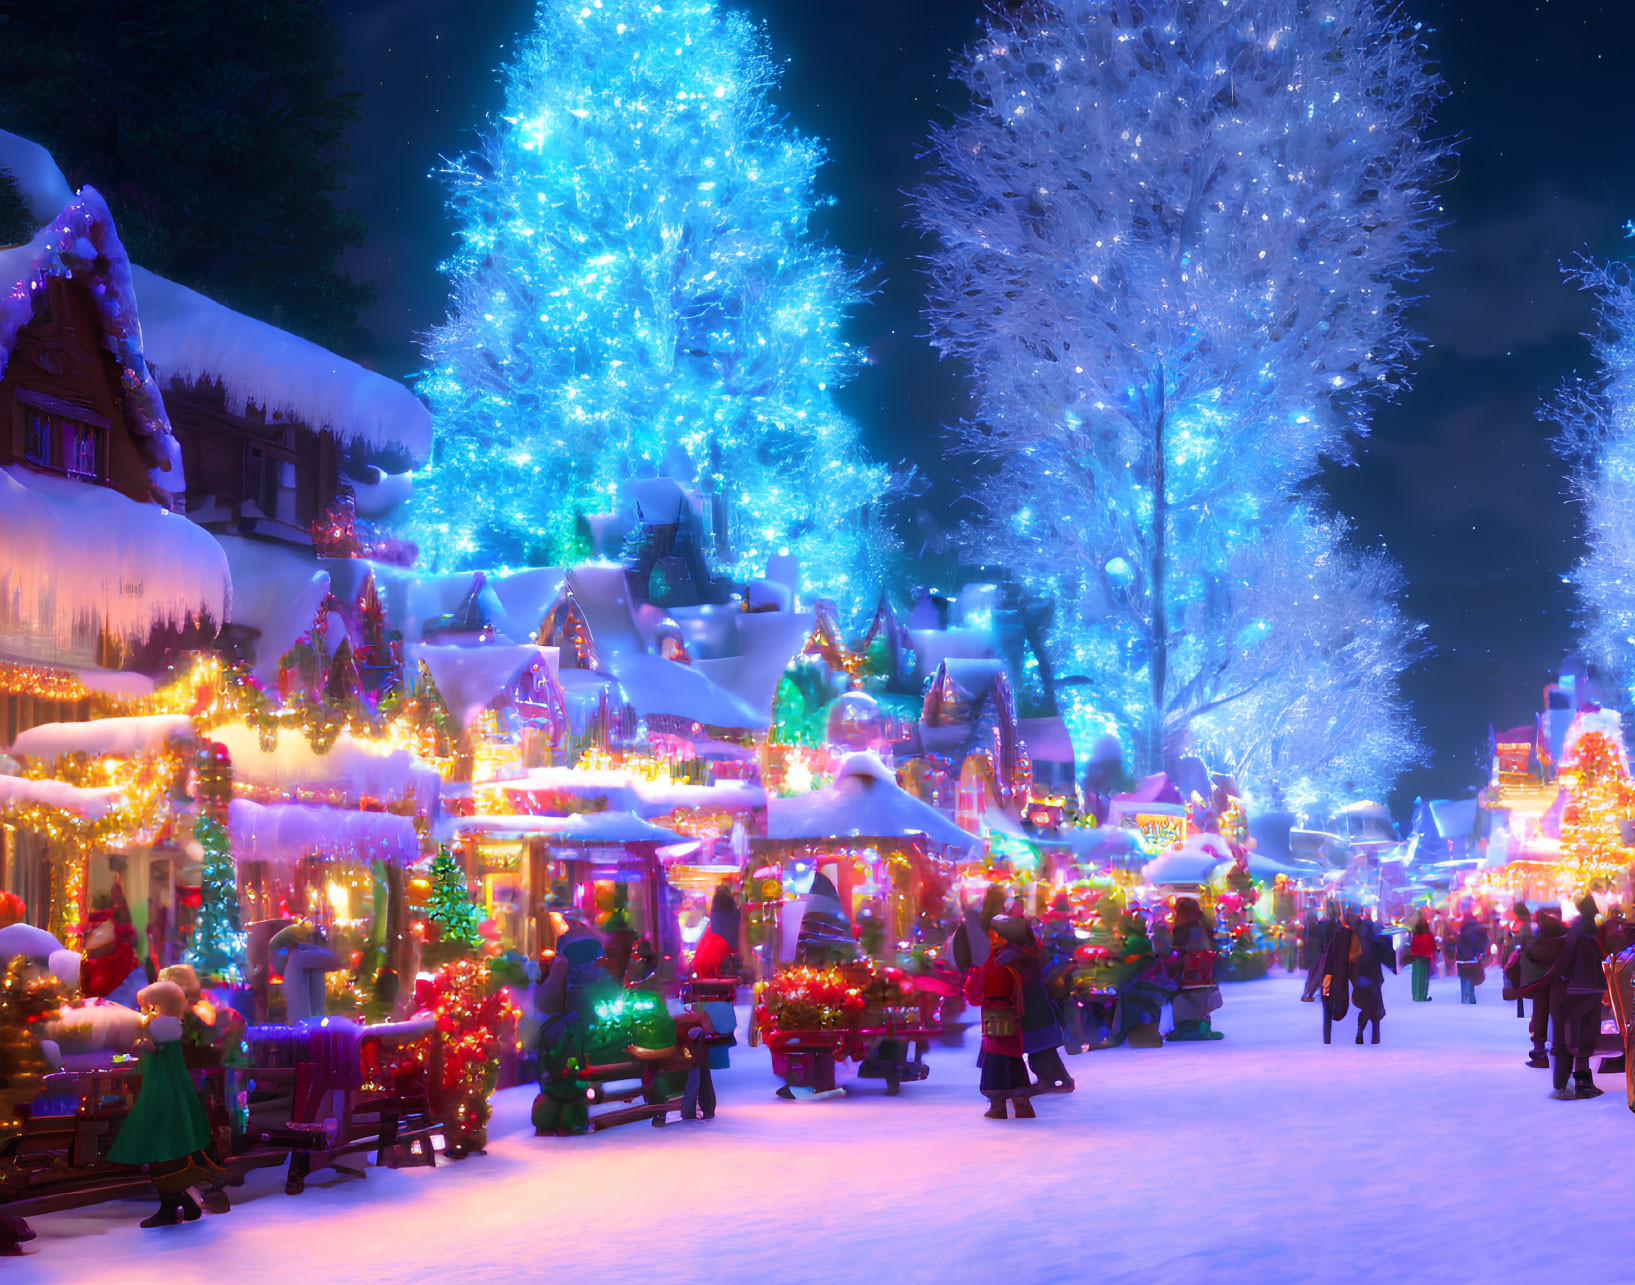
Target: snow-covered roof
[470,678]
[192,339]
[40,183]
[933,646]
[277,592]
[81,242]
[195,340]
[581,828]
[654,685]
[93,804]
[102,736]
[625,790]
[864,801]
[284,833]
[81,558]
[351,767]
[766,642]
[1047,739]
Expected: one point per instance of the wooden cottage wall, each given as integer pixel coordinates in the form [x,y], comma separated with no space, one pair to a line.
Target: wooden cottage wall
[59,367]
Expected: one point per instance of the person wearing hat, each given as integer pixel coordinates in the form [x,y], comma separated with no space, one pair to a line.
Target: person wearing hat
[1576,988]
[997,987]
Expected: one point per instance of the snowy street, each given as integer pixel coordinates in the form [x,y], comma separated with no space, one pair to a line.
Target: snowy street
[1436,1155]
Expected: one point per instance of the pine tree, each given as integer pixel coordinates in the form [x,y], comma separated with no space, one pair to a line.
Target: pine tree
[449,910]
[637,293]
[1173,236]
[218,940]
[1597,420]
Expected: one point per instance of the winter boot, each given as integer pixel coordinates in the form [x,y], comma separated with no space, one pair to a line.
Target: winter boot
[1564,1094]
[1375,1038]
[995,1111]
[1024,1108]
[1584,1086]
[1207,1026]
[168,1214]
[1539,1058]
[1144,1035]
[1187,1030]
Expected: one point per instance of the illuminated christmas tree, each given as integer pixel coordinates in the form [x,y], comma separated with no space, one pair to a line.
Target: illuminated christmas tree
[218,940]
[636,293]
[1600,797]
[1172,240]
[450,912]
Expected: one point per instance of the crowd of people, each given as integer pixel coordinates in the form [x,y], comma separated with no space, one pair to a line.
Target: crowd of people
[1552,966]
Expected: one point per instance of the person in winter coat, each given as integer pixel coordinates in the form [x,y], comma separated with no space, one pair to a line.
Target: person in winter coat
[996,986]
[718,946]
[1367,966]
[1473,944]
[1421,956]
[1448,934]
[1534,973]
[1332,977]
[1576,988]
[1518,935]
[1311,941]
[1041,1027]
[1193,968]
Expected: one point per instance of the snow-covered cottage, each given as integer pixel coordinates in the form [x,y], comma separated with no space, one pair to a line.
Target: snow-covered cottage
[273,434]
[98,572]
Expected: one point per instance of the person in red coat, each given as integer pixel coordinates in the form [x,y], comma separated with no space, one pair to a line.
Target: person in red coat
[1422,957]
[997,988]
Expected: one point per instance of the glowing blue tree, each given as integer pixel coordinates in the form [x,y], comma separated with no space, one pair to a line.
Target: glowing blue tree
[1597,419]
[1172,239]
[636,293]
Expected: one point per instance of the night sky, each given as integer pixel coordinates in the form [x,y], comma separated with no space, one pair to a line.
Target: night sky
[1458,479]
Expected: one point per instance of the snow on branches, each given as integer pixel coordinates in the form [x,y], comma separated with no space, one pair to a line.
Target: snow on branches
[1597,438]
[1173,238]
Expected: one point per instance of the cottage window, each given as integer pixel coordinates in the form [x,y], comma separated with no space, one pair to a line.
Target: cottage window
[65,445]
[37,447]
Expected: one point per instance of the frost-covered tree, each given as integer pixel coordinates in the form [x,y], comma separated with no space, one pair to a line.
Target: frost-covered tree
[1597,419]
[1173,235]
[1321,719]
[637,293]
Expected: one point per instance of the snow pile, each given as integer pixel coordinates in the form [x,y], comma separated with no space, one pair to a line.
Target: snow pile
[284,833]
[653,685]
[766,642]
[194,340]
[103,736]
[80,559]
[92,804]
[1193,862]
[351,767]
[864,801]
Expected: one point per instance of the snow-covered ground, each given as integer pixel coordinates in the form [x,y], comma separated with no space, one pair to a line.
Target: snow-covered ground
[1267,1157]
